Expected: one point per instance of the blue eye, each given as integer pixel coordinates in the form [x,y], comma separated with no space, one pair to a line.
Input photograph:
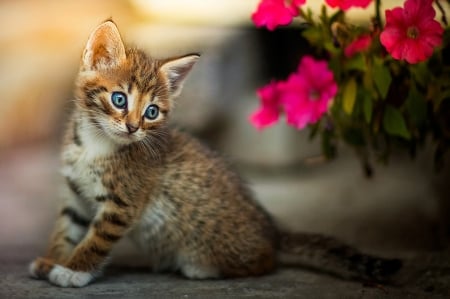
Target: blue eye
[151,112]
[119,99]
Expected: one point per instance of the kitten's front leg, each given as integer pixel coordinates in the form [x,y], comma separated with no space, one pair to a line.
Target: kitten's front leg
[112,221]
[70,228]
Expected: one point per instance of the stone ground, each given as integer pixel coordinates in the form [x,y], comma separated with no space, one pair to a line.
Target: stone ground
[130,282]
[332,199]
[121,282]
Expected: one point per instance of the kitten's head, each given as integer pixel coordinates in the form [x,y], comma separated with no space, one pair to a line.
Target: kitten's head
[123,93]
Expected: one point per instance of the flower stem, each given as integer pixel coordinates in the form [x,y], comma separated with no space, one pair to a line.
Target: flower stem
[378,13]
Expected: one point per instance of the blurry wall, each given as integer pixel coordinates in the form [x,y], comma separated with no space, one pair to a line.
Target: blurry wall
[41,42]
[40,46]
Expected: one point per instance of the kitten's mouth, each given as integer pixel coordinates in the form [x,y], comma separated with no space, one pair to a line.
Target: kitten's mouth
[123,137]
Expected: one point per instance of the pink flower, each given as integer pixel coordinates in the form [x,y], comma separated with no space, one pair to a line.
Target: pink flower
[307,93]
[269,111]
[346,4]
[304,96]
[272,13]
[411,33]
[361,43]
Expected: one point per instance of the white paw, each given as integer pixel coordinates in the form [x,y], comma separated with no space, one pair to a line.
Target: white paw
[80,279]
[199,272]
[64,277]
[32,269]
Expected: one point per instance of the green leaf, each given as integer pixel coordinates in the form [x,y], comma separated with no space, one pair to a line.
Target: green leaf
[331,48]
[394,123]
[312,34]
[349,96]
[357,62]
[335,66]
[421,73]
[368,83]
[416,106]
[367,106]
[382,77]
[324,14]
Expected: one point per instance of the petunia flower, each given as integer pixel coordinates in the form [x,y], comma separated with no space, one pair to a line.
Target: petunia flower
[411,33]
[304,97]
[307,93]
[273,13]
[360,44]
[269,111]
[347,4]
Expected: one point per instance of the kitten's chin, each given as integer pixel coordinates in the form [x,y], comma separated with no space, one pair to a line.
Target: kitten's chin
[121,138]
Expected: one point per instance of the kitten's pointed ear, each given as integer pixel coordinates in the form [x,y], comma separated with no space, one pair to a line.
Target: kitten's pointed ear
[176,70]
[104,48]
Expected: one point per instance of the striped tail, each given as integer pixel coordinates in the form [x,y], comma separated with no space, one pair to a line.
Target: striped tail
[329,255]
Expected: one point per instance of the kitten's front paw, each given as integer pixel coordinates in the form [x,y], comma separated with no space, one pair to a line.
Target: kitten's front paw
[40,268]
[65,277]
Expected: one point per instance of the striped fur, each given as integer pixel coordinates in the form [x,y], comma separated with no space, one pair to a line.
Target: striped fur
[180,202]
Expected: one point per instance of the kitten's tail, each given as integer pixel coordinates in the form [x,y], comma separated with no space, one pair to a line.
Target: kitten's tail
[329,255]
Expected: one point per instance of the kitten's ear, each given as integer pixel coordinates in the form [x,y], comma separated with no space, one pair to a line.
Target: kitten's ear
[104,48]
[176,70]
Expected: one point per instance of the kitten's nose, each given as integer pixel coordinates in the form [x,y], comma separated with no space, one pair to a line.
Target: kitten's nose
[132,128]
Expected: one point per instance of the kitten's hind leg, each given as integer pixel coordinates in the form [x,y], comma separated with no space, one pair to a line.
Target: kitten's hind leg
[197,271]
[229,260]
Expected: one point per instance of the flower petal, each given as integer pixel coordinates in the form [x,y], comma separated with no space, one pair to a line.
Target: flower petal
[347,4]
[273,13]
[361,43]
[306,95]
[264,117]
[417,15]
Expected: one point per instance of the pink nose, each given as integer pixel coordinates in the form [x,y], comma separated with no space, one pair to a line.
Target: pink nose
[131,128]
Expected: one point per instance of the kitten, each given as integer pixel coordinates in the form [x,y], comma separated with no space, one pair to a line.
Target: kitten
[127,173]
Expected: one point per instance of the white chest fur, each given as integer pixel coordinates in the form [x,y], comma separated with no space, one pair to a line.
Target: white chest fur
[85,164]
[86,175]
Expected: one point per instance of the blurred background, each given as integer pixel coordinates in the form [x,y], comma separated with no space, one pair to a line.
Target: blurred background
[403,208]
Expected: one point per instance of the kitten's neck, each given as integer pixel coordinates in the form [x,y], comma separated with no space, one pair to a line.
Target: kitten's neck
[95,143]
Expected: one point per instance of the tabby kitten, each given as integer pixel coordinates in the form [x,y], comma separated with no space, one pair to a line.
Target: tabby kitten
[127,173]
